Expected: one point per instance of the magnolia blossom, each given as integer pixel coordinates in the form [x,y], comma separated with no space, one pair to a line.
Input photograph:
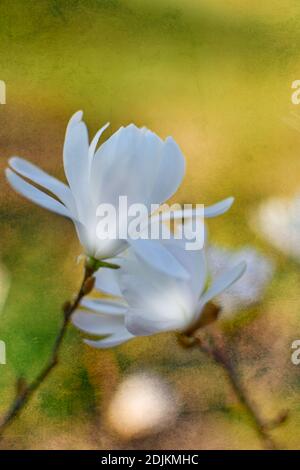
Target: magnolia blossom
[278,220]
[250,288]
[143,404]
[133,162]
[148,301]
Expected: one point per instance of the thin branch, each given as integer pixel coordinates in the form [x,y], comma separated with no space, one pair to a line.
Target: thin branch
[25,392]
[217,353]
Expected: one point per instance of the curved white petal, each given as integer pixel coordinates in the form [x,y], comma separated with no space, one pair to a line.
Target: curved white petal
[171,172]
[106,249]
[111,341]
[159,257]
[223,282]
[107,282]
[97,324]
[155,296]
[219,208]
[108,307]
[140,322]
[35,195]
[193,261]
[86,237]
[211,211]
[40,177]
[76,165]
[93,144]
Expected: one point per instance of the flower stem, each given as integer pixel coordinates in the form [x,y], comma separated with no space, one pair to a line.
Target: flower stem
[217,353]
[25,391]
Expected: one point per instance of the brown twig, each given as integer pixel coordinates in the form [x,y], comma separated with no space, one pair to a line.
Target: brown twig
[25,391]
[214,346]
[217,353]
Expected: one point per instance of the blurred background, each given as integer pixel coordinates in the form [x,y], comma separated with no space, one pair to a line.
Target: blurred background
[216,76]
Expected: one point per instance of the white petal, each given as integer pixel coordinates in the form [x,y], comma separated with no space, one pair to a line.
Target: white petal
[76,164]
[40,177]
[107,282]
[96,324]
[111,341]
[156,255]
[141,323]
[126,165]
[93,144]
[223,282]
[193,261]
[35,195]
[86,237]
[108,307]
[170,174]
[106,249]
[163,298]
[211,211]
[219,208]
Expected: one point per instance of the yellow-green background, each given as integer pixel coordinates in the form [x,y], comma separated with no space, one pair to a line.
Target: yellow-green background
[216,76]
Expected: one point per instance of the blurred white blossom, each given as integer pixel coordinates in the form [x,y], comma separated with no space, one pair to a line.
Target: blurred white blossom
[148,301]
[143,404]
[278,220]
[247,290]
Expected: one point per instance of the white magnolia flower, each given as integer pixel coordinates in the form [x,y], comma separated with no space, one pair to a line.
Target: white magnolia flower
[278,220]
[148,301]
[250,288]
[133,162]
[143,404]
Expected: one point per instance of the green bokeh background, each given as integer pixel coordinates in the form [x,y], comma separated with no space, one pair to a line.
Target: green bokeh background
[217,77]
